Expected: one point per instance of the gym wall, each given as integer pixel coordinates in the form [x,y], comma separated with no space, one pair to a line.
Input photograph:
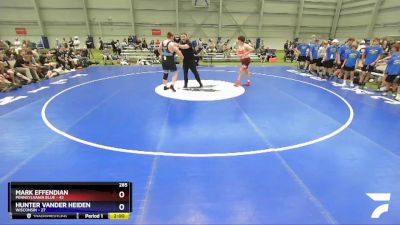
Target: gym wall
[275,21]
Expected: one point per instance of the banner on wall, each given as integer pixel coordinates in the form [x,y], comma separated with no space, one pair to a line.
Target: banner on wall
[20,31]
[156,32]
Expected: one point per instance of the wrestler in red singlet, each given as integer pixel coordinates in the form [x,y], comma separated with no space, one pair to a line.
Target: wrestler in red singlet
[243,52]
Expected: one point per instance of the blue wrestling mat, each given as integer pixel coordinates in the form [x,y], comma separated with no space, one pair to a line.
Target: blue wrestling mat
[289,149]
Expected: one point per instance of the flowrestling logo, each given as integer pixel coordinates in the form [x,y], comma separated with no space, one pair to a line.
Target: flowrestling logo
[383,208]
[212,90]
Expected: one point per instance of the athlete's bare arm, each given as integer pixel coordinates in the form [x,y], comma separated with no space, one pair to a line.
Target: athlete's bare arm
[344,63]
[384,59]
[248,48]
[174,48]
[338,58]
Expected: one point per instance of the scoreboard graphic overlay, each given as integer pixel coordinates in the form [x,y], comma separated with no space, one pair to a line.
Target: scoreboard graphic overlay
[70,200]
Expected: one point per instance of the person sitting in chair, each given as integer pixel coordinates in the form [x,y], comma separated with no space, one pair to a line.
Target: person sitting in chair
[107,56]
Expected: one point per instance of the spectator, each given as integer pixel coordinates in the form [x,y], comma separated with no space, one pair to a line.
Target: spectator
[362,46]
[290,53]
[200,42]
[135,40]
[349,65]
[263,53]
[64,43]
[152,45]
[101,44]
[144,44]
[4,46]
[156,55]
[194,44]
[89,46]
[55,70]
[17,43]
[22,65]
[286,46]
[60,57]
[41,64]
[124,43]
[344,50]
[5,85]
[10,74]
[330,58]
[70,43]
[211,46]
[107,56]
[302,50]
[7,74]
[385,45]
[371,56]
[313,47]
[138,44]
[58,44]
[392,71]
[118,47]
[32,63]
[76,42]
[219,46]
[321,56]
[226,50]
[114,47]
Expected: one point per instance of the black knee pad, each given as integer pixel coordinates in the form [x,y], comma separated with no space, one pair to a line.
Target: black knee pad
[165,77]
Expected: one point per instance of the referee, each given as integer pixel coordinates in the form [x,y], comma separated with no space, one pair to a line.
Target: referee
[188,60]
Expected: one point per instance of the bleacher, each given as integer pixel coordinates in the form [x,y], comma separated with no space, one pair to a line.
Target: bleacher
[131,54]
[379,71]
[220,57]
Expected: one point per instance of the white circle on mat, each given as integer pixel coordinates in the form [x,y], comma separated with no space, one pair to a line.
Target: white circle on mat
[200,155]
[212,90]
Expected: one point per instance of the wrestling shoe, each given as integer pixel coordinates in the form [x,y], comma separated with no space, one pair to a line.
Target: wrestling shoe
[172,88]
